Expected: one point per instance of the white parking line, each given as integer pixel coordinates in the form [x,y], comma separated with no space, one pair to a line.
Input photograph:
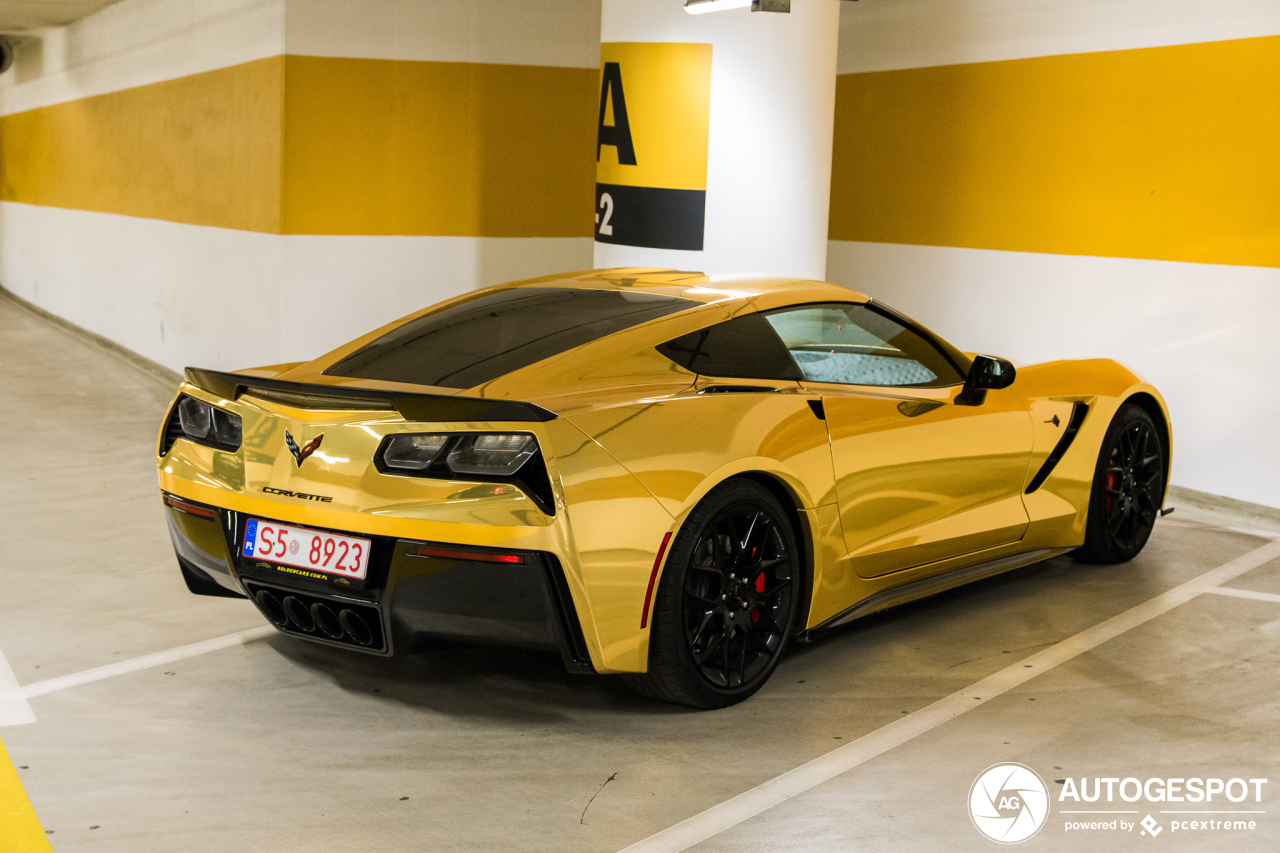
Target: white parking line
[794,782]
[14,710]
[11,694]
[1254,531]
[1245,593]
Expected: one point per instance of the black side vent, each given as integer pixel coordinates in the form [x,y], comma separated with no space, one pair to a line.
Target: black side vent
[1078,412]
[536,482]
[172,429]
[568,618]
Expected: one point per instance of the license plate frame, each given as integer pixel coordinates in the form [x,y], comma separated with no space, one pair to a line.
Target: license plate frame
[330,563]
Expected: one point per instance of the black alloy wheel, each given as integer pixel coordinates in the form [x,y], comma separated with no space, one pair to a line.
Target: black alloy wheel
[1128,489]
[726,604]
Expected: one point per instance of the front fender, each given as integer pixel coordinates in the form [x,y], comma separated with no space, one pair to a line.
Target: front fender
[1058,509]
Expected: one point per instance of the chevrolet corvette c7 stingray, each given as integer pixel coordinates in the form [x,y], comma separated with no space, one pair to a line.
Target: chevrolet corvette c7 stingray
[659,474]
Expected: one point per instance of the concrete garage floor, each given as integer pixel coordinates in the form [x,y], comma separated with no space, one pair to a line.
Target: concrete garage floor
[278,745]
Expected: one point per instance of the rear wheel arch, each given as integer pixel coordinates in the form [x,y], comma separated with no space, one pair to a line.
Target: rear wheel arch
[803,533]
[677,666]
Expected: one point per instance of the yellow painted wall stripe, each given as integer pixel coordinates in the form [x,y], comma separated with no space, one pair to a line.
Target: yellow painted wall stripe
[447,148]
[315,145]
[203,149]
[20,830]
[1163,153]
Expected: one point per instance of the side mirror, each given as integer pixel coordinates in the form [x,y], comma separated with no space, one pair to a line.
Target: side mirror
[987,373]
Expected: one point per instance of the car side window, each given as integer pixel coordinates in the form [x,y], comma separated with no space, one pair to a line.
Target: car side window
[857,345]
[745,347]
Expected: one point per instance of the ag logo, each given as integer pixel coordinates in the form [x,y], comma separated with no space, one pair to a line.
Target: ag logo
[1008,803]
[651,144]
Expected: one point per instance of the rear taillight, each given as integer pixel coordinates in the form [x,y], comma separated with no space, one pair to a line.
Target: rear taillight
[189,508]
[456,554]
[488,457]
[196,420]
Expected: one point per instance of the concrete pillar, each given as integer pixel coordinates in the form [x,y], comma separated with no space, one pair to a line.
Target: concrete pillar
[767,176]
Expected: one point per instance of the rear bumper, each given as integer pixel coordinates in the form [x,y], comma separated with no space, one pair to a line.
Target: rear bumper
[405,601]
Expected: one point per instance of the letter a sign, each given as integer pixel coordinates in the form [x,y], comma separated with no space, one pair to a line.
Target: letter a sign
[651,144]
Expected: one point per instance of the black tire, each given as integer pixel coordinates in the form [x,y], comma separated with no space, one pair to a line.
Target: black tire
[1128,489]
[726,604]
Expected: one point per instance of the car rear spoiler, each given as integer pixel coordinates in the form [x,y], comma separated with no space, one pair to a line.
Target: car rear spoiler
[413,407]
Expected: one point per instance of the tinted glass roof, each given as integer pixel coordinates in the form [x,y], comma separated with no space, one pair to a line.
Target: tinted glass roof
[492,334]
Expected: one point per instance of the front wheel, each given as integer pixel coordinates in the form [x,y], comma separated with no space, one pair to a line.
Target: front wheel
[727,601]
[1128,489]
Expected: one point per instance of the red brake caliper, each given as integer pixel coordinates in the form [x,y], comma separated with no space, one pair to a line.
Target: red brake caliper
[1111,484]
[755,614]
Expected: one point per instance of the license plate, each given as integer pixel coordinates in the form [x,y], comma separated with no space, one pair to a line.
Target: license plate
[347,556]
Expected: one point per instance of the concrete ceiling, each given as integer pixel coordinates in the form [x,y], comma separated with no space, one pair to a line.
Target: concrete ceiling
[18,16]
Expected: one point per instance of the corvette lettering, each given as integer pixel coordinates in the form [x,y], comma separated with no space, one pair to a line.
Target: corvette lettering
[303,495]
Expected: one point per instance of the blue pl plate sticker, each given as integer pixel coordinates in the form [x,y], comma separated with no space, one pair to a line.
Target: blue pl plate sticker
[250,536]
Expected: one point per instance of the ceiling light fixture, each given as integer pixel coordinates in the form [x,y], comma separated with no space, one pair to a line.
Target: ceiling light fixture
[698,7]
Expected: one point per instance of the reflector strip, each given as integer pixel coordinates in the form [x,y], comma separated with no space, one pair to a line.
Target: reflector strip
[191,509]
[653,576]
[477,556]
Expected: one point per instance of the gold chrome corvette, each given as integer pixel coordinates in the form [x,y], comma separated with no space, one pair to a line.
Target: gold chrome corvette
[656,473]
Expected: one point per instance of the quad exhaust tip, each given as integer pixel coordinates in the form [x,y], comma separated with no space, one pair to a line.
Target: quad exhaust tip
[299,615]
[294,614]
[273,608]
[354,626]
[327,621]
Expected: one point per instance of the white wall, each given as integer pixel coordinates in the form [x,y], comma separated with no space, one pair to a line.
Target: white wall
[137,42]
[1204,334]
[889,34]
[178,294]
[510,32]
[190,295]
[194,295]
[377,279]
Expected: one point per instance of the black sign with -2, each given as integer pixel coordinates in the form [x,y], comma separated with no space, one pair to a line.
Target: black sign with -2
[650,217]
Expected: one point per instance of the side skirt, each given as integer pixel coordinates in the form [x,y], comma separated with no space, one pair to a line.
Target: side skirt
[925,587]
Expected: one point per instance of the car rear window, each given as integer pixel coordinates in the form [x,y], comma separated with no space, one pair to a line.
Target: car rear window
[745,347]
[492,334]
